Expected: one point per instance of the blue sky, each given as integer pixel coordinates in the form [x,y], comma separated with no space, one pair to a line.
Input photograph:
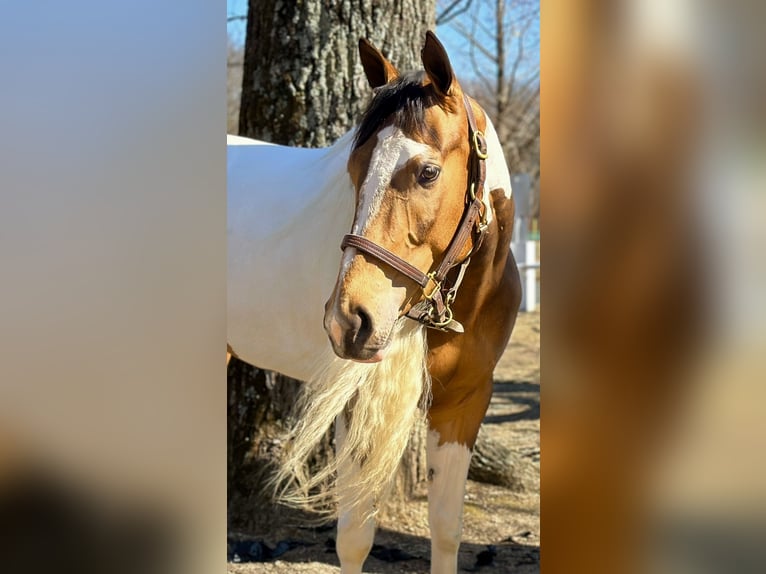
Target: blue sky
[452,40]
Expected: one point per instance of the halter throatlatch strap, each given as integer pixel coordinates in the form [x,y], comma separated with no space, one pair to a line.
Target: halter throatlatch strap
[435,309]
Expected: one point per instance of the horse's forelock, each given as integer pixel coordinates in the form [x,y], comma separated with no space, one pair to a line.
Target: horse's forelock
[401,103]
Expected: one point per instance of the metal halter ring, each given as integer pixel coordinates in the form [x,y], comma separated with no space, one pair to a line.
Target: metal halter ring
[480,153]
[445,322]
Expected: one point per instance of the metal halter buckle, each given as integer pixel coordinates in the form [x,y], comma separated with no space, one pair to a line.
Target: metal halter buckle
[482,223]
[432,286]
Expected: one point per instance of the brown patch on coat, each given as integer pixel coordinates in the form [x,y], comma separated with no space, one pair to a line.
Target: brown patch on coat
[461,365]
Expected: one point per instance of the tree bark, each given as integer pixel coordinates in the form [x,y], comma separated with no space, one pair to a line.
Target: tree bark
[255,405]
[303,85]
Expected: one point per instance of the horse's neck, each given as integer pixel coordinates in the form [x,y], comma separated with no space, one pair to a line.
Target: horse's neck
[276,190]
[288,209]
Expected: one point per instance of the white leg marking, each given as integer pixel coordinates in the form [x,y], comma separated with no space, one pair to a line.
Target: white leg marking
[447,469]
[355,535]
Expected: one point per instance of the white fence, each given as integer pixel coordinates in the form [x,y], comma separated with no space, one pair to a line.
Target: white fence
[525,249]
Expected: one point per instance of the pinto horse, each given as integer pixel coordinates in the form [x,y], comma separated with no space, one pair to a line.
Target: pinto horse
[418,198]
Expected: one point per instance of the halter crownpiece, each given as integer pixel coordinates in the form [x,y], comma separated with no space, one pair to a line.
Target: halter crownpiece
[435,309]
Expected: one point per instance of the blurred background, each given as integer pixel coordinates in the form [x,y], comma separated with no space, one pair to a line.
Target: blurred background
[652,202]
[113,287]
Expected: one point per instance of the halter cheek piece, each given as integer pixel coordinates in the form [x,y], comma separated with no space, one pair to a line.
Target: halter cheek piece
[435,309]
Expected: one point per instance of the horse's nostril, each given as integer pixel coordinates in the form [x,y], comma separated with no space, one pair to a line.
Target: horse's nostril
[360,323]
[365,323]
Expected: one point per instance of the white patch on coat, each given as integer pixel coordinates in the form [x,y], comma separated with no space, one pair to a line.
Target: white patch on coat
[287,211]
[497,170]
[240,140]
[391,153]
[447,471]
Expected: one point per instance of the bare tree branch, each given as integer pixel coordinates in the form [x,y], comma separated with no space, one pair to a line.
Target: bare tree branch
[519,58]
[454,9]
[472,53]
[501,40]
[491,34]
[470,35]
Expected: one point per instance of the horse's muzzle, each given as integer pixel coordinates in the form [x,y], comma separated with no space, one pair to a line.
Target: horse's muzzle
[352,334]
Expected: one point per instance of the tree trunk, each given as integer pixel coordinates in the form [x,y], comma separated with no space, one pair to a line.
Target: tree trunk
[303,85]
[494,463]
[257,402]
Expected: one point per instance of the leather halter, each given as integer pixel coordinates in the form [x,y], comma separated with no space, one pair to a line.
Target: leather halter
[435,310]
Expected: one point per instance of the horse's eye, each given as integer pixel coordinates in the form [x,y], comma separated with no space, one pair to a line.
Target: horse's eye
[428,174]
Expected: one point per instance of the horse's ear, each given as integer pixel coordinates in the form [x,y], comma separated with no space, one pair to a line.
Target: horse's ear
[436,64]
[377,68]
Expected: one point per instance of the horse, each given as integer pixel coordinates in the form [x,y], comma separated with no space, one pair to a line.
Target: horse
[379,270]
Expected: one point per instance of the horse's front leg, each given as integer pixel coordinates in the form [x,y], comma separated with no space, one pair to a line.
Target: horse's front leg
[447,471]
[355,533]
[451,436]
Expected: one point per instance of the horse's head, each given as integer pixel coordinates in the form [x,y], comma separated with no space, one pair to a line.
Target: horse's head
[409,166]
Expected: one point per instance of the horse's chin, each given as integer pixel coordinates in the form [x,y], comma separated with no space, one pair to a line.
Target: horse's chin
[376,358]
[364,355]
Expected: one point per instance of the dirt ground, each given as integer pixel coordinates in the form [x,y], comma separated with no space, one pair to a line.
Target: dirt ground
[495,519]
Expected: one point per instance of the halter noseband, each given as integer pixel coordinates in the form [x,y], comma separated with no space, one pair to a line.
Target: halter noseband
[435,309]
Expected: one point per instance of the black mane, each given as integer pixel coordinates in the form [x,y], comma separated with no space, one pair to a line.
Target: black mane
[405,100]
